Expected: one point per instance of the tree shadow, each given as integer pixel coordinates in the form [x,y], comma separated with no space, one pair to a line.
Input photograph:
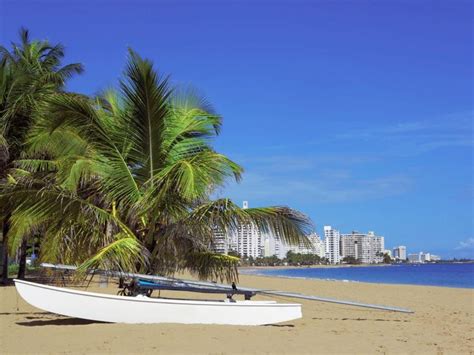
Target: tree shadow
[9,283]
[280,325]
[60,321]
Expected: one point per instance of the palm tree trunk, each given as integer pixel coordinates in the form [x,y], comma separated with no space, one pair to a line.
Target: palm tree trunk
[22,268]
[5,228]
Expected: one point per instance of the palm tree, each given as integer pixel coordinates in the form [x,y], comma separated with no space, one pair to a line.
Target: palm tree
[29,73]
[123,181]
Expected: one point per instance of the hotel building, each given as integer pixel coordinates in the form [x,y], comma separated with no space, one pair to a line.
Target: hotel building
[315,246]
[400,252]
[422,257]
[367,248]
[220,244]
[332,240]
[246,240]
[415,258]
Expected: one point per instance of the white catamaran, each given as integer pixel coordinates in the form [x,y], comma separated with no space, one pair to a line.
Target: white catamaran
[133,304]
[143,309]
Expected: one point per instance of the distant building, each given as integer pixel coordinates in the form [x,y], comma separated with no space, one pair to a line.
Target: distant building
[332,239]
[246,240]
[425,257]
[221,242]
[315,246]
[400,252]
[249,241]
[367,248]
[414,258]
[422,257]
[318,245]
[273,245]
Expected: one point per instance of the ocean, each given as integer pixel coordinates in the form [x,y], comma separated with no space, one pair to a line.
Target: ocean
[445,275]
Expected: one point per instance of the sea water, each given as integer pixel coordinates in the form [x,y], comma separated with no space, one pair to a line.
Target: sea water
[445,275]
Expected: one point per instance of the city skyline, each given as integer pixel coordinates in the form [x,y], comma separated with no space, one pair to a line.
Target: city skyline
[367,129]
[325,228]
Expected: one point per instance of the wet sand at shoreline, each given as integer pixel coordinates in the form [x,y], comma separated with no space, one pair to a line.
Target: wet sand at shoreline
[443,322]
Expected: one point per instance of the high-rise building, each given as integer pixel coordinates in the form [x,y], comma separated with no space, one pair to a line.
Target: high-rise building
[246,240]
[414,258]
[332,244]
[425,257]
[422,257]
[400,252]
[367,248]
[315,246]
[273,245]
[221,242]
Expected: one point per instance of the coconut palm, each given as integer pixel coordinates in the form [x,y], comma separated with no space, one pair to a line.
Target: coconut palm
[29,73]
[125,181]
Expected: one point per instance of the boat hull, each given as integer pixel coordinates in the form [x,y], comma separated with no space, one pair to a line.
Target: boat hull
[142,309]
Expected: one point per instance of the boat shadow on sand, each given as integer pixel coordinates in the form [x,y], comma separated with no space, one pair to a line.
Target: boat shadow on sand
[42,321]
[35,322]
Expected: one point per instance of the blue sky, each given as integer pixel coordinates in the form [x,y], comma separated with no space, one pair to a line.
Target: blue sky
[358,113]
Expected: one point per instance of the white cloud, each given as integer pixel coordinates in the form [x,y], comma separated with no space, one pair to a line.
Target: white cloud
[415,137]
[328,187]
[347,169]
[467,244]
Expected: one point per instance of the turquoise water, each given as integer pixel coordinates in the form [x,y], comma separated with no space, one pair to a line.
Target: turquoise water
[445,275]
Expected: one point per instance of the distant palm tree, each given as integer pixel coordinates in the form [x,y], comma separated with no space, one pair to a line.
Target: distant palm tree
[123,181]
[29,73]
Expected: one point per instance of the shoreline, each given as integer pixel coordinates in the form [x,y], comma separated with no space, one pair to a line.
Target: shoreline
[352,281]
[260,272]
[330,266]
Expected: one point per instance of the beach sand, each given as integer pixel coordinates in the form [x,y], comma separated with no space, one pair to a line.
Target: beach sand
[443,323]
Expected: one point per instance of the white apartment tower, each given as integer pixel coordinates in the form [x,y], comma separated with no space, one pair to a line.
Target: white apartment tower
[332,244]
[367,248]
[273,245]
[400,252]
[220,244]
[315,246]
[247,240]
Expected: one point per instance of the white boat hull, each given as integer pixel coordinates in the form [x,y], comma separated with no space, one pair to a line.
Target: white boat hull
[142,309]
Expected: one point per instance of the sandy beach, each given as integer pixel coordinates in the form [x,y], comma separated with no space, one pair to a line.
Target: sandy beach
[443,322]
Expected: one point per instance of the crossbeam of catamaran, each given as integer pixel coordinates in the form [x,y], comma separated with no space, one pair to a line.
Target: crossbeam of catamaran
[211,287]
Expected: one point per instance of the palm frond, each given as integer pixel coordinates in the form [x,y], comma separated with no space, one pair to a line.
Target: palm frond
[289,225]
[23,225]
[124,254]
[146,100]
[211,266]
